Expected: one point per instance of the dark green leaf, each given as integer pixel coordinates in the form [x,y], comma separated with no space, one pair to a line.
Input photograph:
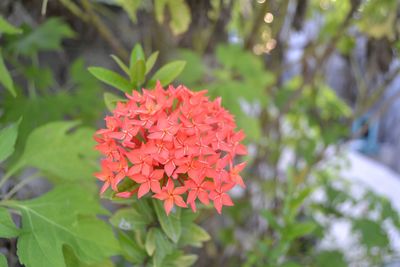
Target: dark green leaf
[371,233]
[330,258]
[111,78]
[163,248]
[300,229]
[8,137]
[7,226]
[171,223]
[130,248]
[5,77]
[167,73]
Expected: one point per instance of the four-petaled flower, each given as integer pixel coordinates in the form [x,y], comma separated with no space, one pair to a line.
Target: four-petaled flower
[171,143]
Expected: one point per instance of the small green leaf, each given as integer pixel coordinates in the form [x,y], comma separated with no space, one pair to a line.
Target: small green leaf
[271,219]
[171,223]
[371,233]
[7,28]
[130,7]
[137,73]
[167,73]
[151,61]
[159,6]
[3,261]
[300,229]
[111,78]
[7,226]
[150,241]
[5,77]
[111,100]
[136,54]
[193,235]
[8,137]
[178,258]
[129,219]
[121,64]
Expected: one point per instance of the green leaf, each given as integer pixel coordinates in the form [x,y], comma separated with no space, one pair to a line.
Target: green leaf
[64,216]
[194,71]
[171,223]
[46,37]
[129,219]
[180,16]
[177,258]
[7,28]
[136,54]
[8,137]
[67,155]
[331,258]
[151,61]
[111,78]
[121,64]
[130,7]
[3,261]
[137,73]
[271,219]
[130,248]
[300,229]
[163,248]
[111,100]
[7,226]
[72,261]
[167,73]
[193,235]
[5,77]
[150,241]
[159,6]
[371,233]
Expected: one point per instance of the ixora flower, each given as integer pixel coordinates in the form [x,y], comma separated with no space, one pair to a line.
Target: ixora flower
[174,144]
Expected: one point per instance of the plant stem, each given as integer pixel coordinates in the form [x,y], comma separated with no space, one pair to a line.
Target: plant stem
[21,184]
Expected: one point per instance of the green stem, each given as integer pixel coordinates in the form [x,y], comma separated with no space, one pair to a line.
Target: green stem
[10,173]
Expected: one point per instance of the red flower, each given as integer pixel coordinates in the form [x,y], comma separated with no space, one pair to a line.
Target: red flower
[175,143]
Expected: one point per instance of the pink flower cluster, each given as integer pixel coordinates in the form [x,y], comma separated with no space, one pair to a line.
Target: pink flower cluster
[174,143]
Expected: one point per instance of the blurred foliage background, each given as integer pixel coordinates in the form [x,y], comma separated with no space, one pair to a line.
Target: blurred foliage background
[297,74]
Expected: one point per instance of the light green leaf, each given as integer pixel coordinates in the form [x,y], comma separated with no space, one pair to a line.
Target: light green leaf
[136,54]
[46,37]
[67,155]
[151,61]
[111,100]
[64,216]
[193,235]
[3,261]
[137,73]
[180,16]
[121,64]
[167,73]
[163,248]
[150,241]
[129,219]
[8,137]
[7,226]
[130,7]
[111,78]
[171,223]
[177,258]
[72,261]
[159,6]
[5,77]
[7,28]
